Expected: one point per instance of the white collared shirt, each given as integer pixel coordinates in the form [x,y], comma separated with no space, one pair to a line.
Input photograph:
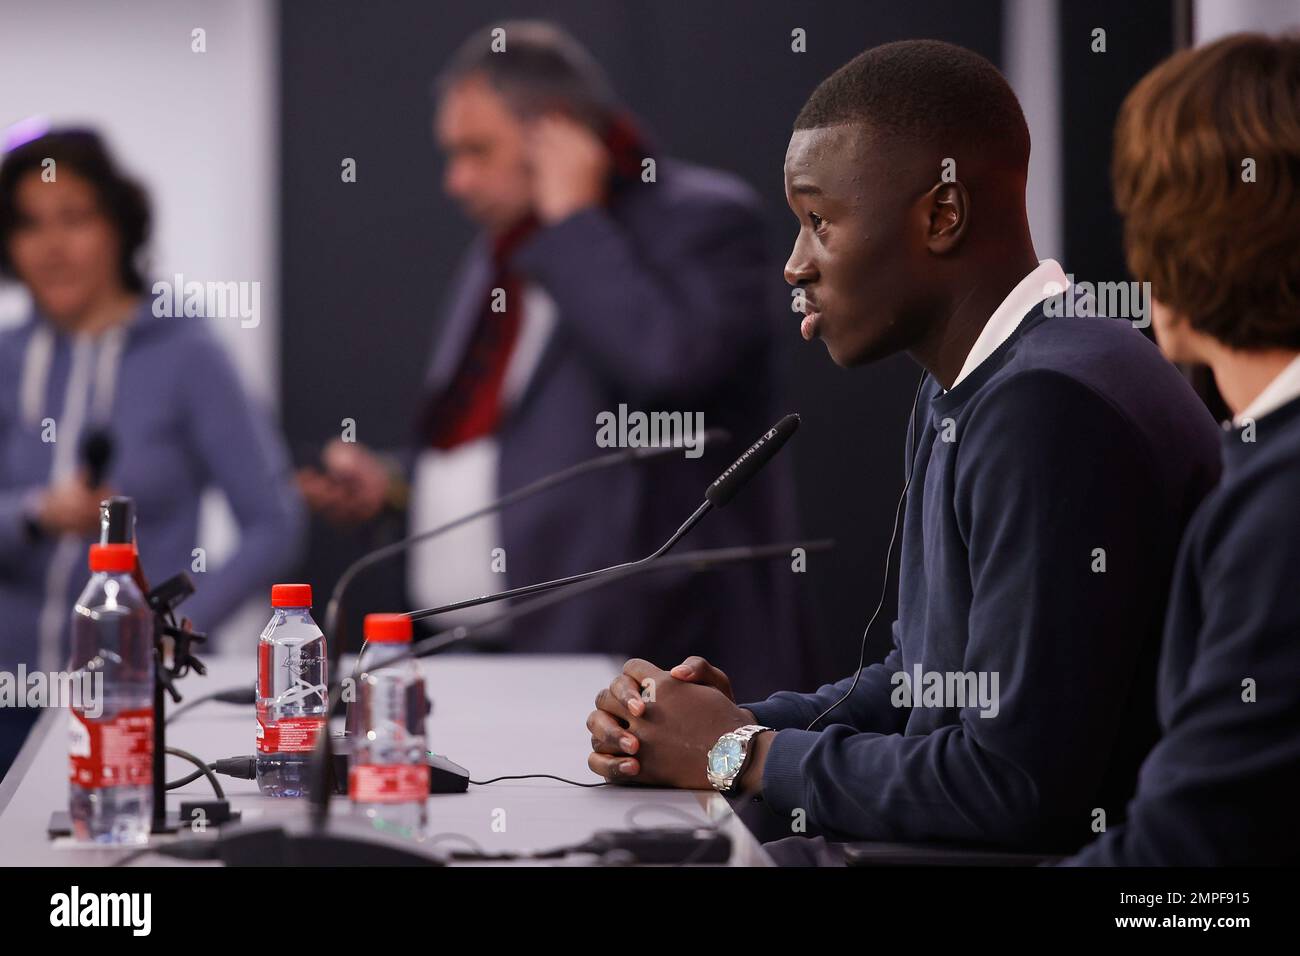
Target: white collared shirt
[1045,281]
[448,483]
[1284,388]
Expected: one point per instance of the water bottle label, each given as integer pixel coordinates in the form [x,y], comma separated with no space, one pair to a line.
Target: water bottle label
[264,669]
[403,783]
[117,752]
[291,735]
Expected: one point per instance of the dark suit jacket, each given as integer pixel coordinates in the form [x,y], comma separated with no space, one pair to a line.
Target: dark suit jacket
[661,305]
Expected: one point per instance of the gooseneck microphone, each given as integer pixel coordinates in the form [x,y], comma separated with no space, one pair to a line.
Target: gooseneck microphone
[751,462]
[600,462]
[694,561]
[718,494]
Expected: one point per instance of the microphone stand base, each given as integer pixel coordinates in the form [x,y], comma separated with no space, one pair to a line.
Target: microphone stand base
[340,843]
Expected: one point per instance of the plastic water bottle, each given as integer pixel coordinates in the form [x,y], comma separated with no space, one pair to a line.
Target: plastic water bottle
[110,729]
[292,693]
[388,779]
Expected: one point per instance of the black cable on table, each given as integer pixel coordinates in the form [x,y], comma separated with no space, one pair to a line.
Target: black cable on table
[533,776]
[204,770]
[194,775]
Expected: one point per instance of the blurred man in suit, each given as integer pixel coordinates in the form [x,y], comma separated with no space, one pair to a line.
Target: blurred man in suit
[599,279]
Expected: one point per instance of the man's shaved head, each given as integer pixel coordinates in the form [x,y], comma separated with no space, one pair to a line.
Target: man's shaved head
[906,171]
[928,92]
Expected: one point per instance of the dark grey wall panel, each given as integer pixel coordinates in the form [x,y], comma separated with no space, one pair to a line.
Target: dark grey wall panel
[365,264]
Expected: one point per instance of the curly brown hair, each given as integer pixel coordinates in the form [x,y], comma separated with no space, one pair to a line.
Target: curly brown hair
[1218,248]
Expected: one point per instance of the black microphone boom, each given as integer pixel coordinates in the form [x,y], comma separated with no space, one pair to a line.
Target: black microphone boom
[545,483]
[527,589]
[727,485]
[718,494]
[692,560]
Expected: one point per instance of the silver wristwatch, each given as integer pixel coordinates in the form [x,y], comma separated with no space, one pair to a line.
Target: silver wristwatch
[727,758]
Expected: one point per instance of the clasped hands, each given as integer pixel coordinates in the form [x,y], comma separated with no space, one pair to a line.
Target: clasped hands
[652,726]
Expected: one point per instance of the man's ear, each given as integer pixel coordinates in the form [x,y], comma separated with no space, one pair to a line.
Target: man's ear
[948,208]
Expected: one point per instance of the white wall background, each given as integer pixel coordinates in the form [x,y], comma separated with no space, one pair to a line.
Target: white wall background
[1032,67]
[199,129]
[1212,19]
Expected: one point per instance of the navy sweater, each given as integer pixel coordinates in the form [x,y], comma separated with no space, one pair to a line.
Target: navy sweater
[1221,786]
[1050,491]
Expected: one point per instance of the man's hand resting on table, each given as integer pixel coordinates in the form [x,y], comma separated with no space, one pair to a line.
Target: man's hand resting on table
[654,726]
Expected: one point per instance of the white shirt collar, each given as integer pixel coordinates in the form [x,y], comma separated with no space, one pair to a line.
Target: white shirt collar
[1047,280]
[1283,388]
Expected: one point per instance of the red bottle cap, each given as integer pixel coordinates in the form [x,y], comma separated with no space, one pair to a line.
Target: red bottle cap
[388,628]
[117,558]
[291,595]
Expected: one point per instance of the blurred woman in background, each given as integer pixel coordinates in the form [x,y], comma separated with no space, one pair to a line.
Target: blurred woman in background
[93,367]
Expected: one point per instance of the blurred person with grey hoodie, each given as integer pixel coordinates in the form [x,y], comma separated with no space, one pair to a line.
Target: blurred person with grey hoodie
[160,393]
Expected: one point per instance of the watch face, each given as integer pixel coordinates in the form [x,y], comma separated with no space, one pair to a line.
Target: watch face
[725,757]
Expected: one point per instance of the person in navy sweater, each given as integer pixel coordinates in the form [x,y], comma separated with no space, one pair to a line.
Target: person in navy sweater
[1222,252]
[1055,462]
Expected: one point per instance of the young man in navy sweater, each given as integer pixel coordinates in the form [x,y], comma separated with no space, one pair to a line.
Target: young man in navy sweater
[1056,463]
[1221,249]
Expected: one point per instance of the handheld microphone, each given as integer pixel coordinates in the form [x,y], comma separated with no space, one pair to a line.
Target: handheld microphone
[718,494]
[545,483]
[96,455]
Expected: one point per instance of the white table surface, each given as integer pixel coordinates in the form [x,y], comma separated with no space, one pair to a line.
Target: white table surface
[492,714]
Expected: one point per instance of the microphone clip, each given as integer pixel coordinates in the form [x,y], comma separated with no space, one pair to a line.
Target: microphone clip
[164,600]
